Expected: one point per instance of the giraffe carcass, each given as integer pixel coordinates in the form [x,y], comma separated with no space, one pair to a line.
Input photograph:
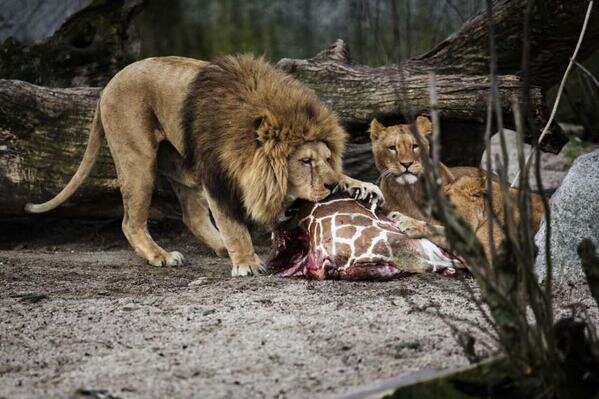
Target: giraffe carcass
[341,238]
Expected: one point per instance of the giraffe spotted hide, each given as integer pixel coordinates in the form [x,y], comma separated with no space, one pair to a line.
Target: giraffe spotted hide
[344,239]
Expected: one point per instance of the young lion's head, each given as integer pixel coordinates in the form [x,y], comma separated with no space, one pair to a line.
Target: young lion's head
[397,152]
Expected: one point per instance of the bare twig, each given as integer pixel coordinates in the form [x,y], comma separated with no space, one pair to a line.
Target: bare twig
[586,72]
[456,10]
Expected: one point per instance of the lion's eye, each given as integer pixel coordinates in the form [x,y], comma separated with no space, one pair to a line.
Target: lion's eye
[414,147]
[306,161]
[391,148]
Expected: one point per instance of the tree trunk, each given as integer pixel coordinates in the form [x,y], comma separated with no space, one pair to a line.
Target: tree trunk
[395,94]
[554,29]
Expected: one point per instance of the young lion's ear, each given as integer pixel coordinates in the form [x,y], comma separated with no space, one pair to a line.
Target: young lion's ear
[424,125]
[375,130]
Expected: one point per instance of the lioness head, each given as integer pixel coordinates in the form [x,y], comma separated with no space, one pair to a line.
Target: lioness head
[311,174]
[397,152]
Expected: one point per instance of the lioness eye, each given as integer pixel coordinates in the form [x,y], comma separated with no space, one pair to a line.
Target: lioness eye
[306,161]
[391,148]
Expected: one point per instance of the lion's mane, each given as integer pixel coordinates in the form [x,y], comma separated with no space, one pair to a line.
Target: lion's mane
[241,120]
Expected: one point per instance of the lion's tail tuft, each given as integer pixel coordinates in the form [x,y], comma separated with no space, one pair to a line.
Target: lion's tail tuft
[90,156]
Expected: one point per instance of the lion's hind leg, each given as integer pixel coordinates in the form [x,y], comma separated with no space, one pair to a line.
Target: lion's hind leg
[136,169]
[137,183]
[196,216]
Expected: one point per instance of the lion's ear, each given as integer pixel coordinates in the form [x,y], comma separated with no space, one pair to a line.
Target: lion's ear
[424,125]
[375,130]
[265,127]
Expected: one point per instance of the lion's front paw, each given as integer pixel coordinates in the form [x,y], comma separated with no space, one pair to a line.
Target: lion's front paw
[249,269]
[174,258]
[366,191]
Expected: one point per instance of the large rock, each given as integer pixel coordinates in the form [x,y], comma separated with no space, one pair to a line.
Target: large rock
[574,216]
[554,166]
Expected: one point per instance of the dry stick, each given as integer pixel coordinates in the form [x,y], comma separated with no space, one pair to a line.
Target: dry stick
[489,197]
[509,224]
[560,89]
[436,130]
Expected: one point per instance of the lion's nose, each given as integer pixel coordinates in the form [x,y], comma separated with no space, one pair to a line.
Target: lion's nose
[406,164]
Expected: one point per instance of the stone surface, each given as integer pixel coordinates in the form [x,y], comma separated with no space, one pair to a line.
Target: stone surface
[574,216]
[554,166]
[30,21]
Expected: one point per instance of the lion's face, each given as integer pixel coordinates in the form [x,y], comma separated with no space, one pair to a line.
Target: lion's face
[310,172]
[397,152]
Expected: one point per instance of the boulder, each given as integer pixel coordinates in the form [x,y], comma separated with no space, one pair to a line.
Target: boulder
[554,166]
[574,216]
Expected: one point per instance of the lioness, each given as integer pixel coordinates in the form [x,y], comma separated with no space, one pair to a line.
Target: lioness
[397,156]
[246,141]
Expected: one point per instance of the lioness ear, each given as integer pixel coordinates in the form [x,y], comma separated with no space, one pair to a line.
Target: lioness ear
[424,125]
[375,130]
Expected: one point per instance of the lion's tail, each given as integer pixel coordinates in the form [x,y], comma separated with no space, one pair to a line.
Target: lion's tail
[90,156]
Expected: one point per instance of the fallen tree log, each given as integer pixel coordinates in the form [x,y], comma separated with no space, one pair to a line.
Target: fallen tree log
[395,93]
[43,132]
[554,29]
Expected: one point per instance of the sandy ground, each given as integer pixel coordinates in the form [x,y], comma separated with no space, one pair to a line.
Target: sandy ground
[110,323]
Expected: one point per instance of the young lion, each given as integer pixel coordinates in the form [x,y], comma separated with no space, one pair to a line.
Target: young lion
[397,157]
[246,140]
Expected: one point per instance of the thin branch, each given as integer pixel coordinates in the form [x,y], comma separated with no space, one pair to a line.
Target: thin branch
[456,10]
[586,72]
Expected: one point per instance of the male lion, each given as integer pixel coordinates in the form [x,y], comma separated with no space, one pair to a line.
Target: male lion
[397,156]
[245,141]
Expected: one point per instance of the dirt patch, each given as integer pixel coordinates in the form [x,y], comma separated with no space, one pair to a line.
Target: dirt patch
[78,310]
